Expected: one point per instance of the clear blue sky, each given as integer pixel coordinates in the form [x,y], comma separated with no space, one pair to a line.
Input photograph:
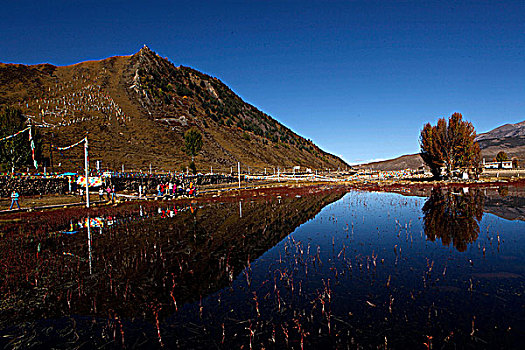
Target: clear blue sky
[359,78]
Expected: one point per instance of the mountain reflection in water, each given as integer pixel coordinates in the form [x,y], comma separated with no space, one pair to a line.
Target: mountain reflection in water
[453,216]
[161,257]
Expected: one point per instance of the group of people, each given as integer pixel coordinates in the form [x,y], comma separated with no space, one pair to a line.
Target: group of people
[168,189]
[173,190]
[110,193]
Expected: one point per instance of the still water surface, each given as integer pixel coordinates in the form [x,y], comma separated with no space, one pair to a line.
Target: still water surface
[325,268]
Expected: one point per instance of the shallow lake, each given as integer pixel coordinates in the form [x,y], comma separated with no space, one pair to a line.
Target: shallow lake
[321,268]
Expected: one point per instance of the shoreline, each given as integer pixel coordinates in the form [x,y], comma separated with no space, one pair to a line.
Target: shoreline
[213,193]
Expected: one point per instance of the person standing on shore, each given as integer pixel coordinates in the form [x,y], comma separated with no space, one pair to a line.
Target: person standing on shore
[14,199]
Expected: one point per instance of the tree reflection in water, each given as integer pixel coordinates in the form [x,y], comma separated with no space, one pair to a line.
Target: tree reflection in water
[453,216]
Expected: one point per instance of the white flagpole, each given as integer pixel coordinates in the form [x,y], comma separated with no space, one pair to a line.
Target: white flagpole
[86,165]
[239,172]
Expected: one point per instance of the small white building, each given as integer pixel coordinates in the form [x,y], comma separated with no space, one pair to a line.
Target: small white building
[497,165]
[506,164]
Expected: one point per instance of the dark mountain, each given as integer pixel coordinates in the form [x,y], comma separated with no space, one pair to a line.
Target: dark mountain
[505,131]
[136,110]
[509,138]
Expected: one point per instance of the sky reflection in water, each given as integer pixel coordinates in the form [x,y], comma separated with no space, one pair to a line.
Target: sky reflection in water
[370,269]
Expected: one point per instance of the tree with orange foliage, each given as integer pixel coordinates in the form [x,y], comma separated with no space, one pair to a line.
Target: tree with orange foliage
[450,147]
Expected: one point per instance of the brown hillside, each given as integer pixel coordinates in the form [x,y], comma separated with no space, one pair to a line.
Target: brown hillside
[509,138]
[136,109]
[409,161]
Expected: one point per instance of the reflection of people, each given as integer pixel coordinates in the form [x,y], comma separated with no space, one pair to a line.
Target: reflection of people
[113,194]
[14,199]
[453,217]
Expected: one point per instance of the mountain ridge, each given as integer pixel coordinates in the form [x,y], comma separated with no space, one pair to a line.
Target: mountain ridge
[504,131]
[136,109]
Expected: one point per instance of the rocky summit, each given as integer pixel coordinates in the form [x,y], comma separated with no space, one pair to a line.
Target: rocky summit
[135,110]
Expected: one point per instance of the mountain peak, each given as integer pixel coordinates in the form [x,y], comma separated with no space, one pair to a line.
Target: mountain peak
[145,50]
[141,105]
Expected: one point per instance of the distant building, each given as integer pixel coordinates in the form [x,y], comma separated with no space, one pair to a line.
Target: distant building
[497,165]
[506,164]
